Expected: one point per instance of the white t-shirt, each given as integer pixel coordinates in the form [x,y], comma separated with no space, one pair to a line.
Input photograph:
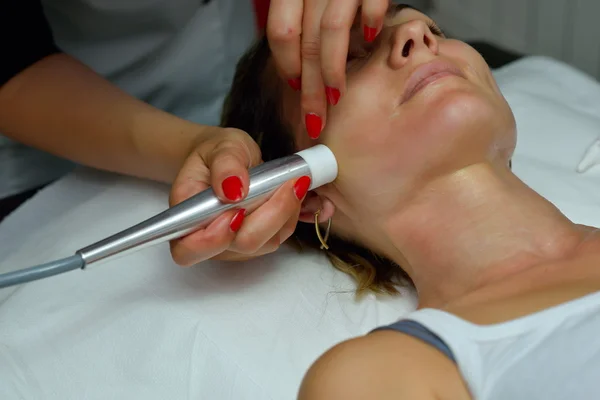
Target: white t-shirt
[552,354]
[178,55]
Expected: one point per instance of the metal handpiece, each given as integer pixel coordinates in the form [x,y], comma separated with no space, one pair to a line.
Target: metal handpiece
[196,212]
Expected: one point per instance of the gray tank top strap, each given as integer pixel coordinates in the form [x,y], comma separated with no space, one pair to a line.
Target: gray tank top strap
[420,332]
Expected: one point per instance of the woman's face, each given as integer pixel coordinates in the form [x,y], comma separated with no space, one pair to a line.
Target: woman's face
[417,106]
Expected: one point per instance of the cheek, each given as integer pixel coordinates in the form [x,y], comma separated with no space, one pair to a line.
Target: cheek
[473,63]
[361,133]
[359,125]
[420,142]
[464,126]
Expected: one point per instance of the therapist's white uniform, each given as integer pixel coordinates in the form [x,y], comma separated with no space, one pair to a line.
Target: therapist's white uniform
[178,55]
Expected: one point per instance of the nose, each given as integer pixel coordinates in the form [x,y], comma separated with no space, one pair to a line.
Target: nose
[410,39]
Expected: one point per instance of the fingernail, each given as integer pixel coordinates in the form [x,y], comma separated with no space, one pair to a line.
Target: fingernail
[333,95]
[370,33]
[236,221]
[232,188]
[314,124]
[295,84]
[301,187]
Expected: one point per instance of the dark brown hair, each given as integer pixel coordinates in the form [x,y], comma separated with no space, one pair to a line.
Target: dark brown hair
[254,105]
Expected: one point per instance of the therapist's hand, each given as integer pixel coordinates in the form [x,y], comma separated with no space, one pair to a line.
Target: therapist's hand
[221,158]
[309,40]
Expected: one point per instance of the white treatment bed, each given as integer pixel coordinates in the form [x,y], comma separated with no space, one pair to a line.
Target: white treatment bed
[143,328]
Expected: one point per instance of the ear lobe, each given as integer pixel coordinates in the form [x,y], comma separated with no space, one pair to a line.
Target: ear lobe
[313,203]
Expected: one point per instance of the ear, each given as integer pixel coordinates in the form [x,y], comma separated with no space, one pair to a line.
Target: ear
[313,203]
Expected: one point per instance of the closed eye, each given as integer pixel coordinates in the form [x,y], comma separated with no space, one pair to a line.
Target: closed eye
[435,29]
[397,9]
[357,54]
[357,57]
[359,50]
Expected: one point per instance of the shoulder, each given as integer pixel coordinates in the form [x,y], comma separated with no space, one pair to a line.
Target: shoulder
[380,366]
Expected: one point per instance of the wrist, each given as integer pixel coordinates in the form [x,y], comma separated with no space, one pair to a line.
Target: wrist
[163,142]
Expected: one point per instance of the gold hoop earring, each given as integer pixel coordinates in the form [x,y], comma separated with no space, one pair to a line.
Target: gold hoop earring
[321,239]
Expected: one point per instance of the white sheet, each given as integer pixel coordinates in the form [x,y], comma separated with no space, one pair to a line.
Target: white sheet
[557,109]
[142,328]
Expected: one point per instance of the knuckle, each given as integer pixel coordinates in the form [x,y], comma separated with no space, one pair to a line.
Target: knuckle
[282,33]
[286,233]
[213,240]
[314,102]
[332,71]
[225,156]
[288,205]
[289,228]
[313,97]
[254,152]
[272,245]
[230,140]
[205,144]
[235,132]
[283,204]
[248,244]
[177,195]
[239,146]
[311,49]
[177,254]
[332,21]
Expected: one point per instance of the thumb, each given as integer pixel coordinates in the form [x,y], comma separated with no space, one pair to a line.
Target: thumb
[193,177]
[229,162]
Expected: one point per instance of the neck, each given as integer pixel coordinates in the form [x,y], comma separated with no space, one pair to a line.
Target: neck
[472,228]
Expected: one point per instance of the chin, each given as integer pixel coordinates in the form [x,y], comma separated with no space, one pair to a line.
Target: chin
[468,112]
[465,126]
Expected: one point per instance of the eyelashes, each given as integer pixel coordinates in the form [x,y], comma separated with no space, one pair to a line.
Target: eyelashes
[436,30]
[358,53]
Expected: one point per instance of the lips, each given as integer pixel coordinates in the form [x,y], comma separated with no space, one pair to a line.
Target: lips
[426,74]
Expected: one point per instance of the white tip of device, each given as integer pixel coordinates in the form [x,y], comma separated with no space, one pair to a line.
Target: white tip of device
[322,163]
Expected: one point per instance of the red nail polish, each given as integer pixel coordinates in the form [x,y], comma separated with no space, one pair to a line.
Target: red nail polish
[314,124]
[236,221]
[232,188]
[295,84]
[370,33]
[333,95]
[301,187]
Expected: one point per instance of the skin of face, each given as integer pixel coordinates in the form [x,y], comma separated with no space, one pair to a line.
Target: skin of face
[389,148]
